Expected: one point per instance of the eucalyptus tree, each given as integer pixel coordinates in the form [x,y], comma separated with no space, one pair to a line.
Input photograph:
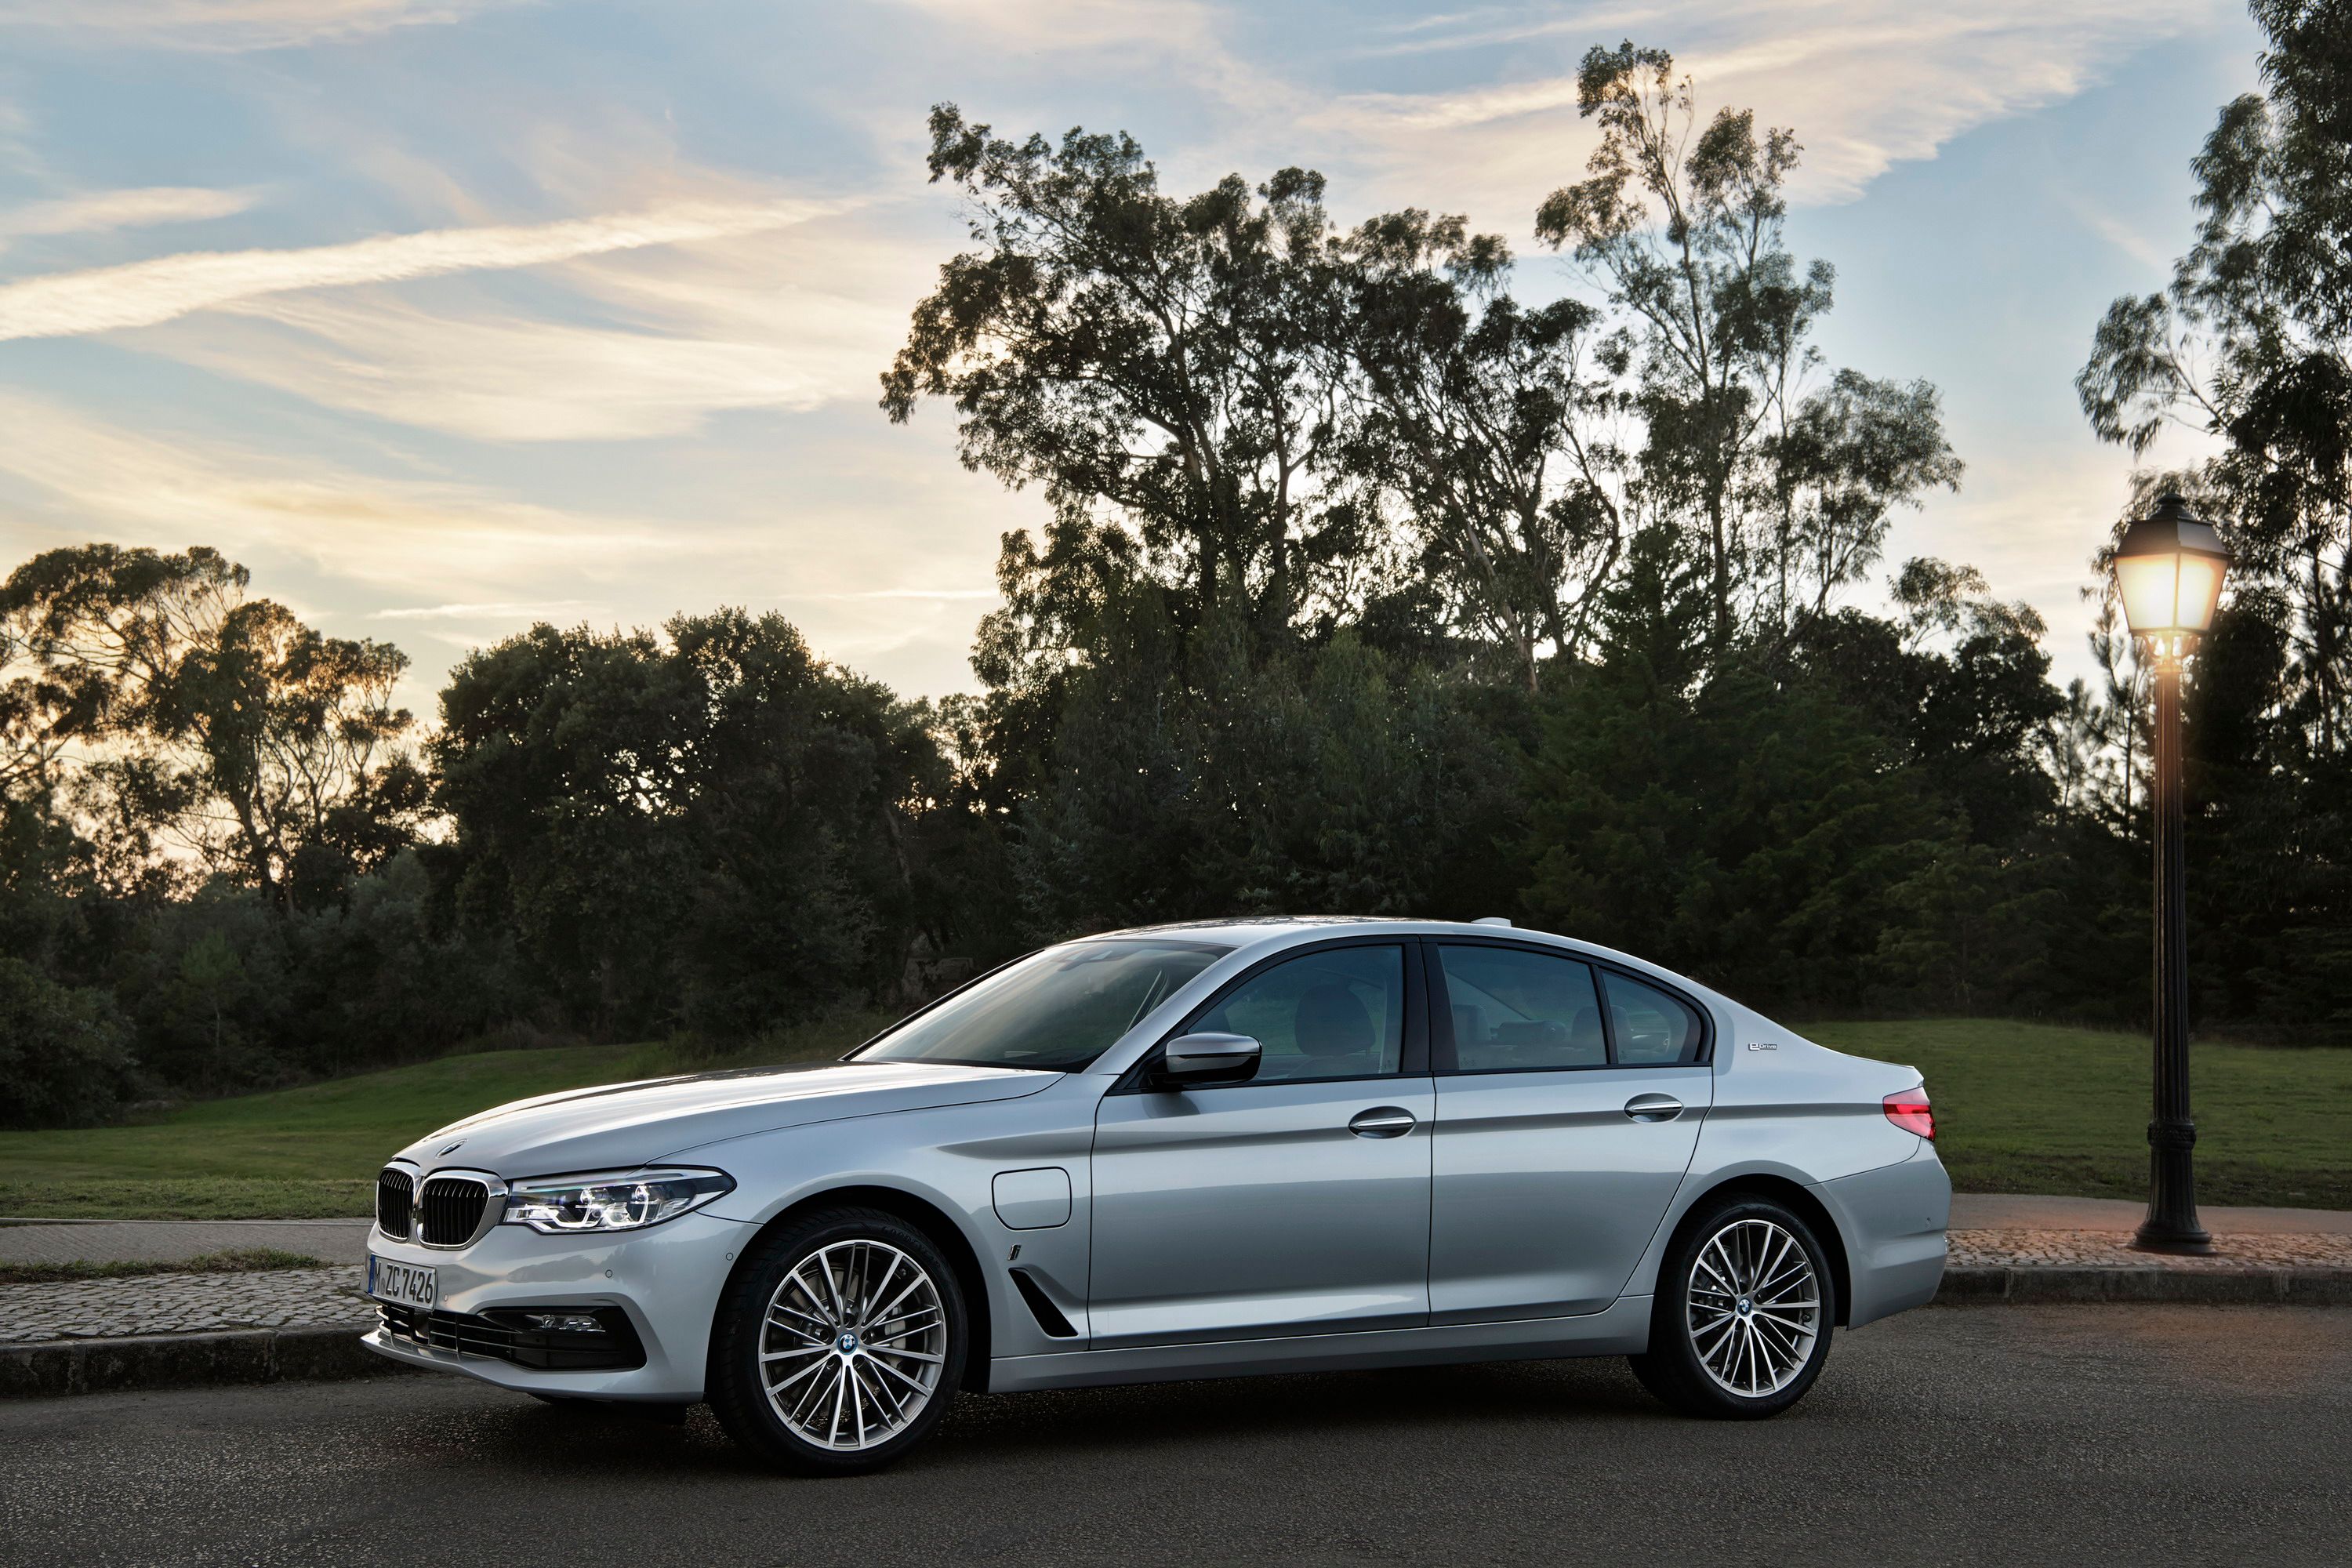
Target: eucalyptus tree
[1490,423]
[182,726]
[1160,365]
[297,770]
[1789,486]
[2252,343]
[90,639]
[1841,461]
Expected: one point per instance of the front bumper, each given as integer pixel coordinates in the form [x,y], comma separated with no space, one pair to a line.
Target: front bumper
[665,1280]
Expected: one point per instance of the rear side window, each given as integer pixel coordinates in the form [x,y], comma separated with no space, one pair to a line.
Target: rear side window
[1650,1027]
[1513,1008]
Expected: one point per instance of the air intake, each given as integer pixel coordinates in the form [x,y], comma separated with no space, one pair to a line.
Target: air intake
[1041,1307]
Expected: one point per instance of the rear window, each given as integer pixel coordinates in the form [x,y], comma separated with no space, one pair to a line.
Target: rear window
[1650,1027]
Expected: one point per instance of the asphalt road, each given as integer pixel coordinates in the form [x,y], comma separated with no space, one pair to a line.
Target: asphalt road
[2168,1434]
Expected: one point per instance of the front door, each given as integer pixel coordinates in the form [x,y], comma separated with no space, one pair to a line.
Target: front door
[1569,1102]
[1295,1204]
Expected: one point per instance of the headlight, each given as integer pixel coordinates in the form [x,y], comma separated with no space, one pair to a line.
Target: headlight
[611,1200]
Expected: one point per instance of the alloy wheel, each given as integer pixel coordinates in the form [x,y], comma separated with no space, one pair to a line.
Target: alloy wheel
[1755,1307]
[852,1345]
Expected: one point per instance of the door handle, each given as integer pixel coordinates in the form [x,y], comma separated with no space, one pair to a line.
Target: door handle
[1381,1121]
[1654,1108]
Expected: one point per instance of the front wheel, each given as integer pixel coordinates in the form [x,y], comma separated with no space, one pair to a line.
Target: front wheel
[838,1344]
[1743,1315]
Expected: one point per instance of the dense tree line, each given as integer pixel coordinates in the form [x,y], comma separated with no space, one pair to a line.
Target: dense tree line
[1366,586]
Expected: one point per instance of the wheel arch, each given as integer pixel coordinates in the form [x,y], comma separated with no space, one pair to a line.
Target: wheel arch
[1807,1208]
[933,1221]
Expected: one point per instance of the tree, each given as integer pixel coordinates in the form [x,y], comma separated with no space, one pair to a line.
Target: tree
[711,829]
[2251,341]
[1493,429]
[299,760]
[1842,462]
[91,638]
[177,718]
[64,1055]
[1160,364]
[1736,821]
[1683,228]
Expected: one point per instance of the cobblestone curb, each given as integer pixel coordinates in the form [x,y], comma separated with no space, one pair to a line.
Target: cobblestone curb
[329,1351]
[143,1305]
[2038,1284]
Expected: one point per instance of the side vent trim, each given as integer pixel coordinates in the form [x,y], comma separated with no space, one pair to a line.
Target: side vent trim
[1041,1306]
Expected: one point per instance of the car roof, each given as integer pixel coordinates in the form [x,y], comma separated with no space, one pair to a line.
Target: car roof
[1264,932]
[1245,931]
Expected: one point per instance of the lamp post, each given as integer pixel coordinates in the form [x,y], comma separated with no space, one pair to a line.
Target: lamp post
[2168,570]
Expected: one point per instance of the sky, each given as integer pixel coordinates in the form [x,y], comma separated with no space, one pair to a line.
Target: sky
[447,316]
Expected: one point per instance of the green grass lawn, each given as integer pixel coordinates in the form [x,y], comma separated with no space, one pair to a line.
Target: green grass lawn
[2032,1107]
[312,1152]
[2020,1108]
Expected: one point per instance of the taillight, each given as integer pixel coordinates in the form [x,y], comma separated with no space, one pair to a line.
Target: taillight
[1909,1111]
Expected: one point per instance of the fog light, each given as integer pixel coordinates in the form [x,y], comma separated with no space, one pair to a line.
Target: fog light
[564,1322]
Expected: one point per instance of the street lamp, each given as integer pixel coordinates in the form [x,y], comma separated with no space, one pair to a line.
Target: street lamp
[2168,570]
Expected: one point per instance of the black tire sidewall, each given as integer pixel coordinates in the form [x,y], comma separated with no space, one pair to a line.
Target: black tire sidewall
[736,1394]
[1672,1369]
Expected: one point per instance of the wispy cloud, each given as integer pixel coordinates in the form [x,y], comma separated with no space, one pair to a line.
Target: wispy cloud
[142,293]
[503,610]
[396,533]
[2149,252]
[229,25]
[787,321]
[98,211]
[928,594]
[1864,84]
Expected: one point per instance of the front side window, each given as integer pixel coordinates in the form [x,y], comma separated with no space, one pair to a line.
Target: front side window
[1516,1009]
[1338,1013]
[1651,1028]
[1060,1008]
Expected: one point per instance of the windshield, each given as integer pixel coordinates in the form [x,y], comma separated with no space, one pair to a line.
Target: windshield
[1060,1008]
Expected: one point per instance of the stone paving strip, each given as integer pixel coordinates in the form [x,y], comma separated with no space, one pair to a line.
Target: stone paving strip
[2111,1249]
[181,1304]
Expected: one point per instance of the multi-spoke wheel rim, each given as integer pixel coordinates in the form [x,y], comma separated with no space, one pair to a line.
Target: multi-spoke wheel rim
[852,1346]
[1755,1307]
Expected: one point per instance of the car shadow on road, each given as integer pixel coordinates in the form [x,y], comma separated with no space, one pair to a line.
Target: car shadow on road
[1488,1401]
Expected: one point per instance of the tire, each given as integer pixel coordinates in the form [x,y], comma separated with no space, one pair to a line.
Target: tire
[802,1373]
[1757,1350]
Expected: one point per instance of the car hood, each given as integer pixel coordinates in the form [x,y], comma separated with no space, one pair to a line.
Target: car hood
[625,1124]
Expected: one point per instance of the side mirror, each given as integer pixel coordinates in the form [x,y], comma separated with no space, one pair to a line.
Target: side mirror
[1209,1058]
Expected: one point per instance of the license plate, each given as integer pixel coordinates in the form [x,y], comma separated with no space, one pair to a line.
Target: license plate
[402,1284]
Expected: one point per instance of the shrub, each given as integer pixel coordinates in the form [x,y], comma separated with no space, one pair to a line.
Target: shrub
[64,1055]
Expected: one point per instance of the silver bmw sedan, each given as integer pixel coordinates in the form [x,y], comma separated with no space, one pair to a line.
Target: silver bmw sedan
[1185,1151]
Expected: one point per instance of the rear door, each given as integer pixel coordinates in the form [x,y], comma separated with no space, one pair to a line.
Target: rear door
[1569,1099]
[1295,1204]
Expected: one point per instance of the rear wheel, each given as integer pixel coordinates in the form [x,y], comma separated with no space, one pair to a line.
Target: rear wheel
[839,1344]
[1743,1315]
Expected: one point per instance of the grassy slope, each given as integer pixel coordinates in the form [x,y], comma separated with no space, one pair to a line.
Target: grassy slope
[312,1152]
[2022,1108]
[2032,1107]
